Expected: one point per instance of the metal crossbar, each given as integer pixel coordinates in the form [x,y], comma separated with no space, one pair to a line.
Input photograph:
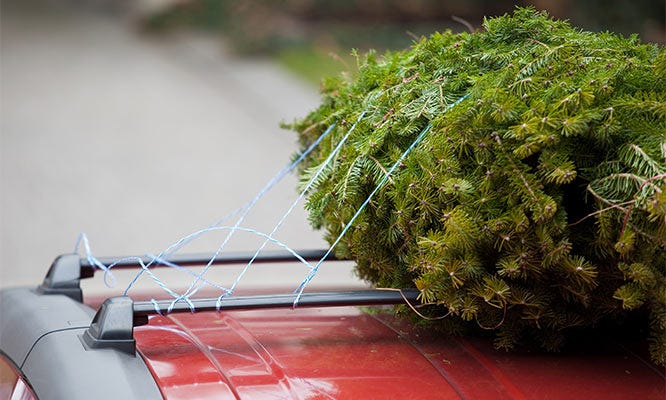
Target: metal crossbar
[113,325]
[188,260]
[67,270]
[320,299]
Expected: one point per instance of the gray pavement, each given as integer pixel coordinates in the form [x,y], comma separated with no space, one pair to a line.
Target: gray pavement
[137,141]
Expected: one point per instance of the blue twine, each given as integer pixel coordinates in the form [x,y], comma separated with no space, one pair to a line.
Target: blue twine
[155,259]
[189,294]
[271,183]
[145,268]
[186,296]
[241,229]
[156,306]
[199,280]
[188,271]
[298,199]
[299,290]
[110,280]
[192,290]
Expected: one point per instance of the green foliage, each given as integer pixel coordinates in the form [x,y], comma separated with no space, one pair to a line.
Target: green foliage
[534,206]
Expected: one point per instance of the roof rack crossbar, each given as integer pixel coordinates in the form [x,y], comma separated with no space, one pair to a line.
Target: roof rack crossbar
[113,325]
[185,260]
[320,299]
[67,270]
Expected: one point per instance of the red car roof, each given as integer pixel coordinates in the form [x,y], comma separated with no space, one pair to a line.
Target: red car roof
[345,353]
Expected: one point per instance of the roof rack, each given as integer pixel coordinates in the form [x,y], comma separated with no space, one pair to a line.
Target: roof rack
[113,325]
[65,274]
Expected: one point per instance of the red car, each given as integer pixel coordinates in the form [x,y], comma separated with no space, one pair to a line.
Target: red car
[59,343]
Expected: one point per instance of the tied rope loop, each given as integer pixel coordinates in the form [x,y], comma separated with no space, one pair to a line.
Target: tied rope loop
[96,263]
[299,290]
[109,278]
[146,269]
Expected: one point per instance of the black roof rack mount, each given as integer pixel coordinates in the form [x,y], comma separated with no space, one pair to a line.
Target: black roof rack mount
[64,277]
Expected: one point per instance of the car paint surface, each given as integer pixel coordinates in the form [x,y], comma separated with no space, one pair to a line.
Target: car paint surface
[12,383]
[346,353]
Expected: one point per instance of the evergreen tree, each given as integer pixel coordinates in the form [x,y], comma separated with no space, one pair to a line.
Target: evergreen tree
[535,203]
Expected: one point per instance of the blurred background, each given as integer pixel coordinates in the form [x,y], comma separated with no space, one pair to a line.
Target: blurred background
[141,121]
[310,36]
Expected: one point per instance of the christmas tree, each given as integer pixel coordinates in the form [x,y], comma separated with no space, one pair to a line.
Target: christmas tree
[533,199]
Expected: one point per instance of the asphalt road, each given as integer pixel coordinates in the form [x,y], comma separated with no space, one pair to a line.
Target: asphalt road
[137,141]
